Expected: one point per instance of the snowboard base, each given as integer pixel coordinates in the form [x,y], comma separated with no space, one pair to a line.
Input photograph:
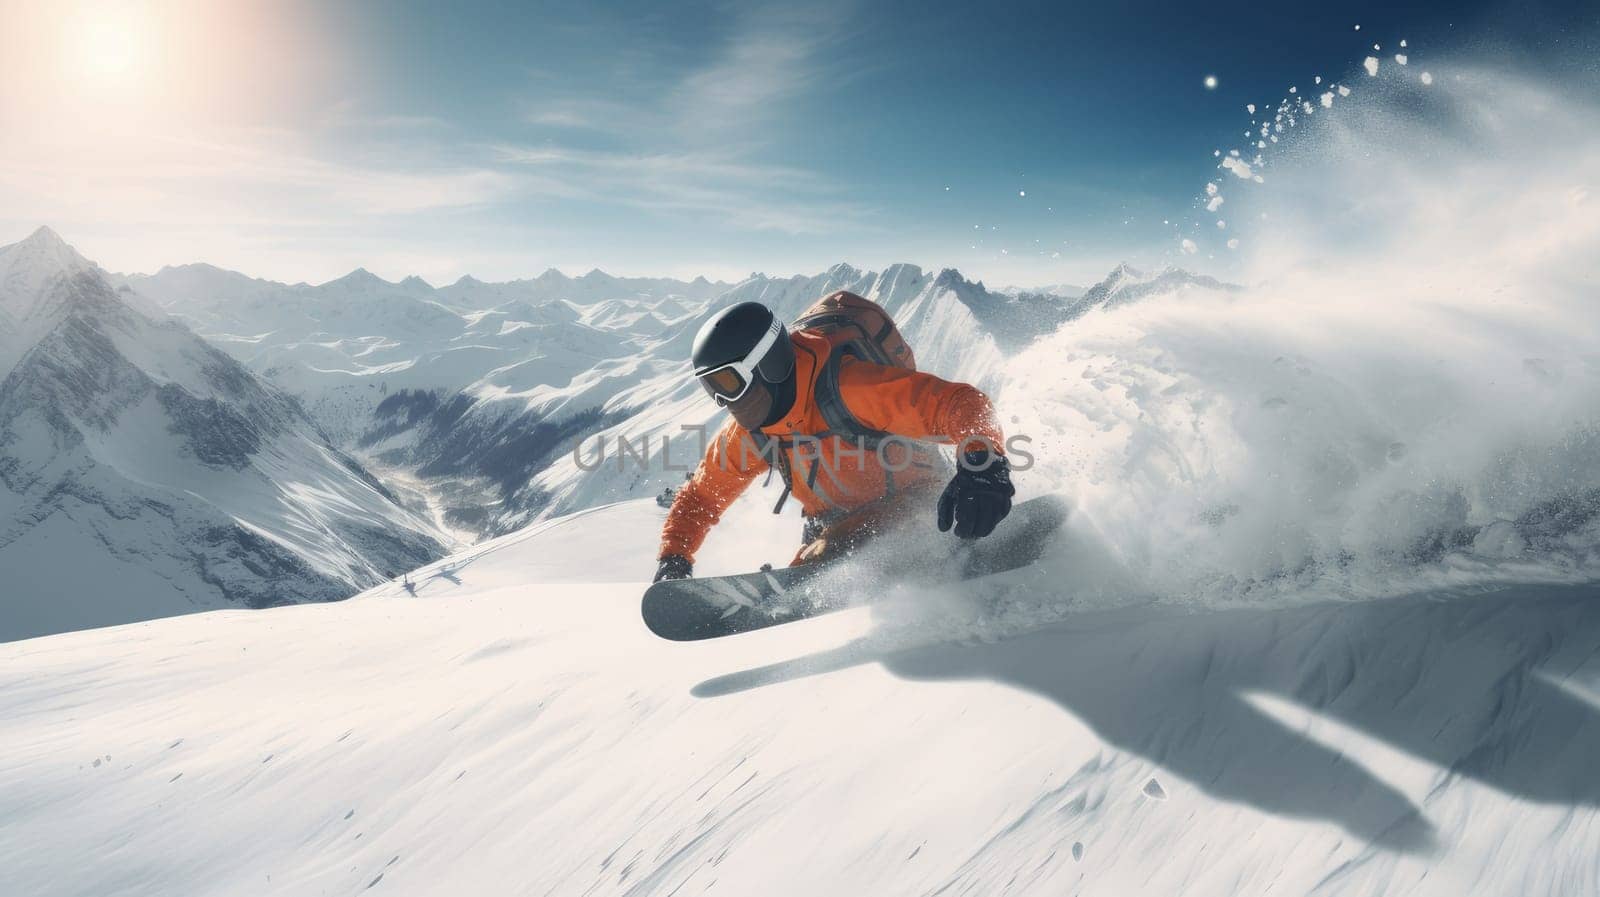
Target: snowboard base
[717,606]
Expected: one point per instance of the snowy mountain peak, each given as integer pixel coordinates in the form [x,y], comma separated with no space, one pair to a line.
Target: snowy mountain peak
[949,279]
[414,282]
[1126,283]
[45,238]
[1125,275]
[902,272]
[43,254]
[195,268]
[163,466]
[359,279]
[1121,275]
[35,279]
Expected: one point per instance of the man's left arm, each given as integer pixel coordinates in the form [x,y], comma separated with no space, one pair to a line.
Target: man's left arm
[919,405]
[922,406]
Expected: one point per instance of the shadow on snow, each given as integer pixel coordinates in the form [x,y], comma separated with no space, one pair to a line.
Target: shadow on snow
[1477,685]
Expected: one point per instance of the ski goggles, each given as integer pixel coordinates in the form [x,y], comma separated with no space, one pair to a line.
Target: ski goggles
[729,382]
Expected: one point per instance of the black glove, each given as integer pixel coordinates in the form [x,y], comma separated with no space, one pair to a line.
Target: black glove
[979,495]
[673,566]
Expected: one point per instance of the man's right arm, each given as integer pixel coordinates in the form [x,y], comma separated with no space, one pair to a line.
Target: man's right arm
[730,463]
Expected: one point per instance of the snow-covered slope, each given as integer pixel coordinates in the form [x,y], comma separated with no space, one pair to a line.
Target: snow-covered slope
[144,473]
[511,728]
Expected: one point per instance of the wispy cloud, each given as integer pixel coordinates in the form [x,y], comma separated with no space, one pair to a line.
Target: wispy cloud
[758,70]
[769,55]
[697,142]
[744,193]
[133,168]
[582,113]
[256,202]
[349,114]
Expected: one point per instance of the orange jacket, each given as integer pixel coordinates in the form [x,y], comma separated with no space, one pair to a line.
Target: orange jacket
[829,474]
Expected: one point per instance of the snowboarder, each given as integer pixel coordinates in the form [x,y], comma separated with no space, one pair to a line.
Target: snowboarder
[838,410]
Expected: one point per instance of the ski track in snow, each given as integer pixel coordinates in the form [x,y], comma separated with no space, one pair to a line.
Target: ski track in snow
[496,735]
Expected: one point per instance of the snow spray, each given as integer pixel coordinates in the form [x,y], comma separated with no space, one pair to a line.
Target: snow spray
[1406,394]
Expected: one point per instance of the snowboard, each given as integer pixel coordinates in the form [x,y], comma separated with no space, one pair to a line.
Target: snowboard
[713,607]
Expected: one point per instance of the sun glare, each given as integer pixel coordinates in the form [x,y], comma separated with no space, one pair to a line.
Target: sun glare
[107,43]
[109,48]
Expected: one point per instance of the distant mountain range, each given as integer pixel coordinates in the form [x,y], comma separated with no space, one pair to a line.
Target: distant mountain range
[347,431]
[476,391]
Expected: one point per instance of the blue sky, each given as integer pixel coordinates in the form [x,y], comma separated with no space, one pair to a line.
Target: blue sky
[298,141]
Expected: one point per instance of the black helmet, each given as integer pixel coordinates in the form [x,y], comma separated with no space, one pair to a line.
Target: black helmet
[738,345]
